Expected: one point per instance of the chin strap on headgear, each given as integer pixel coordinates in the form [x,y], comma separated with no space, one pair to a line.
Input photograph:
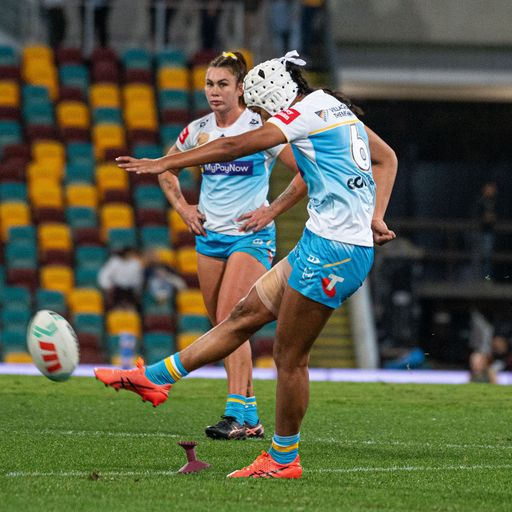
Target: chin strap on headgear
[269,86]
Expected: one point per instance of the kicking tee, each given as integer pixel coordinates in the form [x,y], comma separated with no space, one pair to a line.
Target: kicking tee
[331,148]
[230,189]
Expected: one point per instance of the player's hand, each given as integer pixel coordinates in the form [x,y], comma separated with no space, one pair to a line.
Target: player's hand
[141,165]
[256,220]
[381,233]
[193,218]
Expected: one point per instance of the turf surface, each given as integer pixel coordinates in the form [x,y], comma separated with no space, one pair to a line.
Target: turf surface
[77,446]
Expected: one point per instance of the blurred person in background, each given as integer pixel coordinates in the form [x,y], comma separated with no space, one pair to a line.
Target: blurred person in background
[121,278]
[56,21]
[485,237]
[284,24]
[233,224]
[161,280]
[170,8]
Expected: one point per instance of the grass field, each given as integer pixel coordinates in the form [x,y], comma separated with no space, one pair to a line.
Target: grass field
[365,447]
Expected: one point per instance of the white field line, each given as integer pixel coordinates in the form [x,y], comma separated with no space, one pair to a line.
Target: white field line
[150,473]
[330,440]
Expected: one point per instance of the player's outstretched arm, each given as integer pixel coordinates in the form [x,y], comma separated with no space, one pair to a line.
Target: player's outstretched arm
[384,166]
[223,149]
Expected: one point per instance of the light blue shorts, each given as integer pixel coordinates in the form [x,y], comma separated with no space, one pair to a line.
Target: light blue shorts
[328,271]
[261,245]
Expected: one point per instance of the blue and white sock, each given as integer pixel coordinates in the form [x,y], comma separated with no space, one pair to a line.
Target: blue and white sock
[251,411]
[235,407]
[284,449]
[168,371]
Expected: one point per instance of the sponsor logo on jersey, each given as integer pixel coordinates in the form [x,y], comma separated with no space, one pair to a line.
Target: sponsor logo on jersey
[183,135]
[288,115]
[307,273]
[254,122]
[329,284]
[357,182]
[257,241]
[234,168]
[322,114]
[203,123]
[341,111]
[313,259]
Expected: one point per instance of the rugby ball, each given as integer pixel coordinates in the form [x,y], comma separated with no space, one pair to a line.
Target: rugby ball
[53,345]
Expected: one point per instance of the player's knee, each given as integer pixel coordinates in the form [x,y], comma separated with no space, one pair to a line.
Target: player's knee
[289,360]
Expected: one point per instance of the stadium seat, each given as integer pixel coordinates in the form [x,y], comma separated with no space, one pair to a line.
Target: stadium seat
[123,322]
[8,56]
[10,133]
[80,152]
[107,136]
[169,134]
[69,93]
[186,339]
[49,151]
[24,234]
[171,57]
[20,254]
[73,114]
[173,78]
[148,151]
[159,323]
[39,114]
[57,277]
[13,214]
[105,72]
[82,195]
[68,55]
[105,95]
[81,217]
[52,300]
[136,58]
[86,277]
[119,238]
[87,236]
[153,340]
[54,236]
[199,77]
[176,225]
[86,300]
[15,347]
[79,171]
[88,323]
[25,277]
[45,193]
[173,99]
[138,76]
[110,176]
[200,104]
[37,52]
[116,215]
[141,117]
[20,151]
[75,75]
[107,115]
[194,323]
[152,307]
[90,257]
[190,302]
[15,298]
[12,191]
[9,93]
[149,197]
[50,170]
[155,236]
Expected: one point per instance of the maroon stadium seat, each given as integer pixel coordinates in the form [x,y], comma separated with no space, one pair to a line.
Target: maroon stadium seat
[69,55]
[159,323]
[27,277]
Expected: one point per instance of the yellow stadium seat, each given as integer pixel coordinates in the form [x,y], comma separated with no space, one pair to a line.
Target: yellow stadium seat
[107,135]
[265,362]
[86,300]
[187,260]
[123,322]
[73,114]
[199,77]
[167,256]
[82,194]
[105,95]
[37,53]
[138,93]
[45,193]
[57,277]
[49,151]
[17,357]
[141,118]
[54,235]
[109,176]
[45,169]
[41,73]
[176,224]
[249,59]
[116,215]
[173,78]
[13,213]
[9,93]
[190,302]
[186,339]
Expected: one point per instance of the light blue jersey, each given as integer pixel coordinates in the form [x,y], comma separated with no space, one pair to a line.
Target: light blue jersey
[330,145]
[230,189]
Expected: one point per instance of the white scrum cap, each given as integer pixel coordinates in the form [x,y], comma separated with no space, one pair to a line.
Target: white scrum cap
[269,86]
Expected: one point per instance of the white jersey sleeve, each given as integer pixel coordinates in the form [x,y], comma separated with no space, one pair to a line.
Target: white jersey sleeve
[292,122]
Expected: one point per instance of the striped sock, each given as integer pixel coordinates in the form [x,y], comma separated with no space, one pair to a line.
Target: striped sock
[284,449]
[251,411]
[166,371]
[235,407]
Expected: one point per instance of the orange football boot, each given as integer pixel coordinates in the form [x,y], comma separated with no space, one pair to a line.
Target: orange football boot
[134,380]
[266,467]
